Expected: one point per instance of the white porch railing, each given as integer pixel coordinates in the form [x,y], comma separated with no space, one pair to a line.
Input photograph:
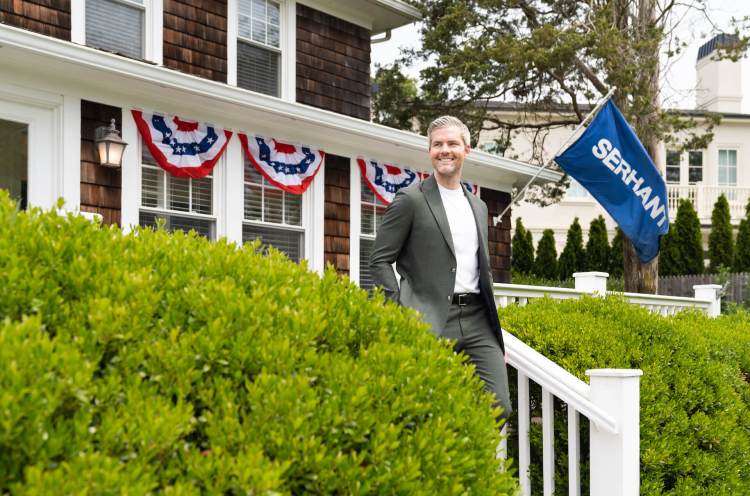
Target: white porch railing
[611,401]
[703,198]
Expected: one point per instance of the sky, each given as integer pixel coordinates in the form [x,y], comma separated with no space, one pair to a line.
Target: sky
[679,80]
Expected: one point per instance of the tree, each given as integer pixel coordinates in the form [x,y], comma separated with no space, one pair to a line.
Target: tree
[392,94]
[572,258]
[615,254]
[670,257]
[720,246]
[546,56]
[522,250]
[742,249]
[688,239]
[545,264]
[597,247]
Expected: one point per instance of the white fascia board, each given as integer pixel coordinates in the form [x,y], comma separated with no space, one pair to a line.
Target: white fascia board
[375,15]
[243,110]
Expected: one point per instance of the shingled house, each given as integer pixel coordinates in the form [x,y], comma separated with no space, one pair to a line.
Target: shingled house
[292,71]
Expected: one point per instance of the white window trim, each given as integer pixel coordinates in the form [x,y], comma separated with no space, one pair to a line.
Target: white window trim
[728,147]
[47,157]
[153,29]
[355,219]
[287,46]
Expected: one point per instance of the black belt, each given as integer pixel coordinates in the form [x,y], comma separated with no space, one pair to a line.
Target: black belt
[463,299]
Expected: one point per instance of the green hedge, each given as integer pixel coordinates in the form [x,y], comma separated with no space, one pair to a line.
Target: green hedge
[158,363]
[695,396]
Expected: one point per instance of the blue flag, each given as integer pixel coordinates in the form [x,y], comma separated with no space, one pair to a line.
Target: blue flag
[612,164]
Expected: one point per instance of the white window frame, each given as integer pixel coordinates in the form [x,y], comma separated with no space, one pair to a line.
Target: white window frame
[216,184]
[153,29]
[47,157]
[702,166]
[728,148]
[667,165]
[287,46]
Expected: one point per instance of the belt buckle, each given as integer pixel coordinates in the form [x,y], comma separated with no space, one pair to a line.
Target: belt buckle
[463,299]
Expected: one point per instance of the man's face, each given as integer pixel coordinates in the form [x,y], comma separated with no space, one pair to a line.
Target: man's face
[448,151]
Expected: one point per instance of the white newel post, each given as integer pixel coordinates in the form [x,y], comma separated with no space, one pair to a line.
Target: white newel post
[615,458]
[709,292]
[591,282]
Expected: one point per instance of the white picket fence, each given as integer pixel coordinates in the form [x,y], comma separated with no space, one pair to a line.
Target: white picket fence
[611,401]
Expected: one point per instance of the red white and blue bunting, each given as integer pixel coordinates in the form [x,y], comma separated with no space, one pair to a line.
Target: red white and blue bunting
[384,180]
[286,166]
[182,148]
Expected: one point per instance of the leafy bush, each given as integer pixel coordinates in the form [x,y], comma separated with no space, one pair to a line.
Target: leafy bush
[573,258]
[616,255]
[522,249]
[720,244]
[545,263]
[164,363]
[695,396]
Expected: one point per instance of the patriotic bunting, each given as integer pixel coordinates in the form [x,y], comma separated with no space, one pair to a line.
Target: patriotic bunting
[289,167]
[182,148]
[385,180]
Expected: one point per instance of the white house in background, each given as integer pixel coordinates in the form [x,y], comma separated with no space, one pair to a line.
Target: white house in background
[698,175]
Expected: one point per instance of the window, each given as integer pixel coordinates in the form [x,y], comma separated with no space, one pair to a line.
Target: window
[116,26]
[272,215]
[259,46]
[673,166]
[372,216]
[181,203]
[493,147]
[13,160]
[727,167]
[695,166]
[576,191]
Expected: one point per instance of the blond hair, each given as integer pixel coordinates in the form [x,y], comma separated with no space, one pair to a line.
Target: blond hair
[449,121]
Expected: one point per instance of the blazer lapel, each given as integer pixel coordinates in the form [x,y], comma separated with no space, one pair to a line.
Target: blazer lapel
[432,195]
[477,211]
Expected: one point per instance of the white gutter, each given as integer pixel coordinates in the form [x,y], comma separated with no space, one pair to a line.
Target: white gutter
[480,165]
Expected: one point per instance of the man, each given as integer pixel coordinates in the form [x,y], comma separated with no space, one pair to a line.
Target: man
[436,233]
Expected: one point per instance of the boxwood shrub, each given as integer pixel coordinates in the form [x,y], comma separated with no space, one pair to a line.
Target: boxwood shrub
[695,391]
[162,363]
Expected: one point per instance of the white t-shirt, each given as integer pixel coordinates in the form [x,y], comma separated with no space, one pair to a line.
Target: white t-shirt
[465,239]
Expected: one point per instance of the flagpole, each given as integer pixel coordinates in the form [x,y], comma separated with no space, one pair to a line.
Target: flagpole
[585,120]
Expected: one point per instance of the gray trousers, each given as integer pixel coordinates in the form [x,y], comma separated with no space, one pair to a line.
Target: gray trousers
[469,327]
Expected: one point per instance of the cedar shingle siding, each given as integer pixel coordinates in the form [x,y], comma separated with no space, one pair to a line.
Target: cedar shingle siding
[49,17]
[499,236]
[100,186]
[195,37]
[336,229]
[333,63]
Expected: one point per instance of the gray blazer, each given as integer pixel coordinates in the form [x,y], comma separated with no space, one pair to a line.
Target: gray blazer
[415,234]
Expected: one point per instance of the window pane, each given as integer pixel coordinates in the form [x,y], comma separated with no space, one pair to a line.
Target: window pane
[368,220]
[289,242]
[14,160]
[367,195]
[673,157]
[114,26]
[152,187]
[244,19]
[695,175]
[272,205]
[379,211]
[257,69]
[273,36]
[252,175]
[695,158]
[202,195]
[293,209]
[178,194]
[365,249]
[273,14]
[173,223]
[673,174]
[259,31]
[253,203]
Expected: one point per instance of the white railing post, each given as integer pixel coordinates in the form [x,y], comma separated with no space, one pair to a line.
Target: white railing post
[591,282]
[709,292]
[615,458]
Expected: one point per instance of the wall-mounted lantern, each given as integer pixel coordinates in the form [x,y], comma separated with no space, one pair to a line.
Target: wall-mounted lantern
[110,145]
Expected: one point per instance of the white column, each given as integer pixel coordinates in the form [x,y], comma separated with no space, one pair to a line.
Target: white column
[234,189]
[615,458]
[232,30]
[71,142]
[355,219]
[131,172]
[711,292]
[591,282]
[78,21]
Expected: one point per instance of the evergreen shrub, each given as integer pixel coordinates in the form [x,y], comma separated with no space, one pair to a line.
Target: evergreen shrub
[688,243]
[545,263]
[616,255]
[597,246]
[742,247]
[522,250]
[695,391]
[162,363]
[573,258]
[720,244]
